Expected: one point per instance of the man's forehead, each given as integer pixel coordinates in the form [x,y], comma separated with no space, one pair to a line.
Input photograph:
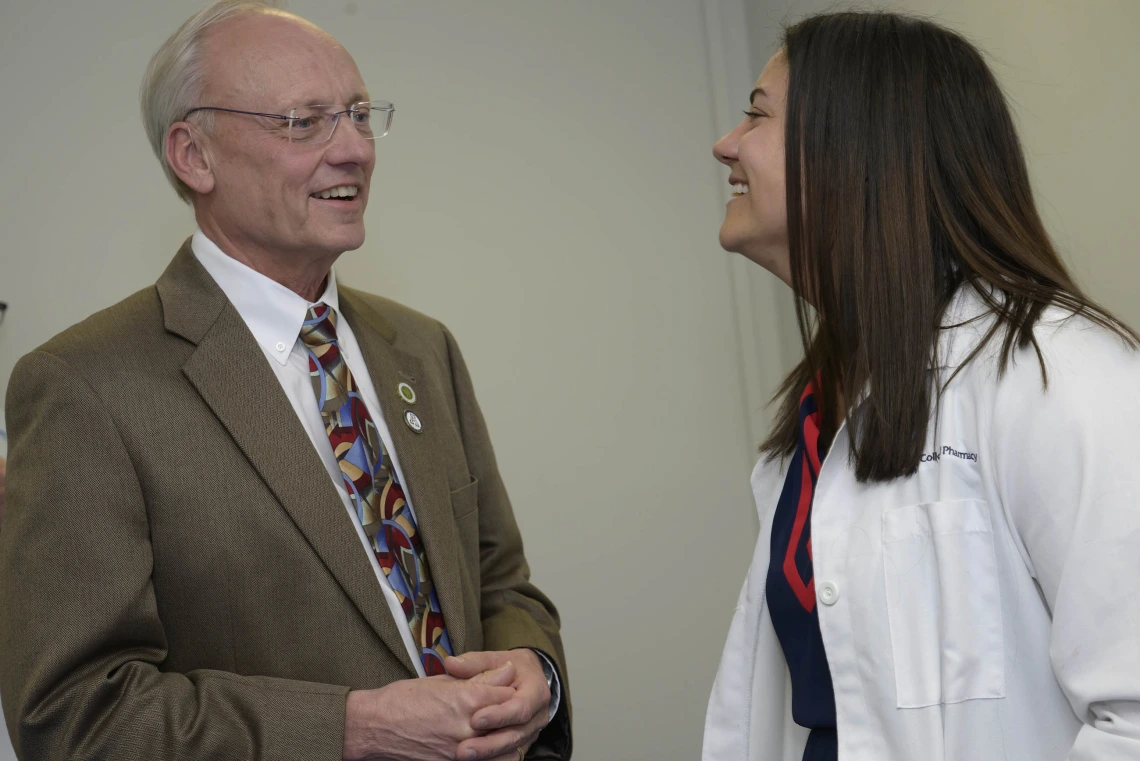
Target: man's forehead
[280,60]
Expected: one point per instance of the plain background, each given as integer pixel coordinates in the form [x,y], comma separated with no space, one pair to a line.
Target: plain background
[548,192]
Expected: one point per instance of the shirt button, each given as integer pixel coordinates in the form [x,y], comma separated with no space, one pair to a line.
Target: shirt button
[828,593]
[280,346]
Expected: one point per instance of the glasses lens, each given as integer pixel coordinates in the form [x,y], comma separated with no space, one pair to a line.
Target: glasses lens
[361,116]
[381,119]
[309,125]
[316,124]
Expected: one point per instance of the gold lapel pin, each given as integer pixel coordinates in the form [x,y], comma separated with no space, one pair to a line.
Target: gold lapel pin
[407,393]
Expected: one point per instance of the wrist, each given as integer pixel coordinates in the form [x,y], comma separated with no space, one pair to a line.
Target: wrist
[360,726]
[526,655]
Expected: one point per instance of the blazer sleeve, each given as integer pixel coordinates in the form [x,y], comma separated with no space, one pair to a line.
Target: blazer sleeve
[1066,458]
[83,646]
[515,613]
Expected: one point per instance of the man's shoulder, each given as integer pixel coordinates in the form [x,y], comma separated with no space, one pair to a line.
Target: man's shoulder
[116,333]
[406,325]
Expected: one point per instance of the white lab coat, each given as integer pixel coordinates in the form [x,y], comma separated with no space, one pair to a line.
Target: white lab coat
[985,608]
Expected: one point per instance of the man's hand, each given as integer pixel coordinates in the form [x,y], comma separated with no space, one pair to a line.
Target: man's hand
[421,719]
[514,724]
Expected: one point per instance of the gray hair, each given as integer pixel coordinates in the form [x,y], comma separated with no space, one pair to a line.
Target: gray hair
[176,75]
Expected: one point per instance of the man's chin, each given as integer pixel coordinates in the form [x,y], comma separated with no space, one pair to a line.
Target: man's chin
[343,240]
[353,244]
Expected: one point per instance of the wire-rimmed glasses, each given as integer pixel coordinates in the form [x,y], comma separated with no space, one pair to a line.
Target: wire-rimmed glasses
[316,123]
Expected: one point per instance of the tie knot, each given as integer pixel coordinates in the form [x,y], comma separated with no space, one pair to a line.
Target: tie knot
[319,328]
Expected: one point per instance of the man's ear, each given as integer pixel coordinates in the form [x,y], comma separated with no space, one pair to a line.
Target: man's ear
[186,157]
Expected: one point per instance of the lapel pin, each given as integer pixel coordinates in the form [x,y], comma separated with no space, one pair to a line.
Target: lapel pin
[407,393]
[413,421]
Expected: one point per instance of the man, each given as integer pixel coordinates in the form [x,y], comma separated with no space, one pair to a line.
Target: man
[248,507]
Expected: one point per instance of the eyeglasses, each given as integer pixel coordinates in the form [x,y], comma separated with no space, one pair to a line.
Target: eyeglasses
[317,123]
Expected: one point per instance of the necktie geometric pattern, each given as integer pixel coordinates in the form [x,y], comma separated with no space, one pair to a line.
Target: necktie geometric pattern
[377,496]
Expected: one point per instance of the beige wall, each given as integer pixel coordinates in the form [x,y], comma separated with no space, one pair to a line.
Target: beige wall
[1070,68]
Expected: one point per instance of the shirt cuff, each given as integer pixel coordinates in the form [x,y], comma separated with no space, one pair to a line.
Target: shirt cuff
[552,682]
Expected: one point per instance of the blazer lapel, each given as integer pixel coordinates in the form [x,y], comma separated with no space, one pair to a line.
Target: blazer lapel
[418,453]
[234,379]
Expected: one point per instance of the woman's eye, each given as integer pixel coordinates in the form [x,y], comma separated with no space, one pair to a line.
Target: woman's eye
[753,114]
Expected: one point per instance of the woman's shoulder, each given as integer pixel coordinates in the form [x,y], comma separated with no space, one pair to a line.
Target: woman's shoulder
[1074,371]
[1068,348]
[1071,350]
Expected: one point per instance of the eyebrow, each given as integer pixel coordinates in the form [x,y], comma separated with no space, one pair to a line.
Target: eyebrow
[355,98]
[757,91]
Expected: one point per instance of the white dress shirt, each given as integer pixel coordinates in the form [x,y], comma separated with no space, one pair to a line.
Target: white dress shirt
[274,314]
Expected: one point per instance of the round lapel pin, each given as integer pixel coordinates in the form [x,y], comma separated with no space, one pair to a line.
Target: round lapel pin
[407,393]
[413,421]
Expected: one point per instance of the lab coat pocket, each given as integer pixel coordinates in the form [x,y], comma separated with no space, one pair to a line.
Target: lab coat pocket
[943,603]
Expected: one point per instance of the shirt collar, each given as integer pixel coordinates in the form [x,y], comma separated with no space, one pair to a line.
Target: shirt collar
[272,312]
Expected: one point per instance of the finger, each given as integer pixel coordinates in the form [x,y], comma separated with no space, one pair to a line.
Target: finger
[501,742]
[481,696]
[531,699]
[524,746]
[469,664]
[512,713]
[504,676]
[513,755]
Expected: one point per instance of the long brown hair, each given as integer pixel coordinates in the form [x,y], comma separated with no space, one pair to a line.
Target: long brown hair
[905,181]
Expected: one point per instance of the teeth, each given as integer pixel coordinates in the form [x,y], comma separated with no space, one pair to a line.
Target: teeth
[341,191]
[740,189]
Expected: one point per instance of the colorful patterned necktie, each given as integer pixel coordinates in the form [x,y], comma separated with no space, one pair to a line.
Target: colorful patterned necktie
[373,486]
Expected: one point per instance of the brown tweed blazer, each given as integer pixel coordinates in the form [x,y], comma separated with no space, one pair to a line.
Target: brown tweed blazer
[178,576]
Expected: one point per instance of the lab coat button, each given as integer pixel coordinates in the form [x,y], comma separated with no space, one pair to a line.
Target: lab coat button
[828,593]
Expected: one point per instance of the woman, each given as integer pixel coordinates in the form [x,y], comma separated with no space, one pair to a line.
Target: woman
[949,498]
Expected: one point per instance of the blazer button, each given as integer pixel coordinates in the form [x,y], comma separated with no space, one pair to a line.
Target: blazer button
[828,593]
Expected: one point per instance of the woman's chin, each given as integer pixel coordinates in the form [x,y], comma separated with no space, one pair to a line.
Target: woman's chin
[731,240]
[773,258]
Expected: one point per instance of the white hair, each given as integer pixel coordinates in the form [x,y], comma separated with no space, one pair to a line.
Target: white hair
[176,75]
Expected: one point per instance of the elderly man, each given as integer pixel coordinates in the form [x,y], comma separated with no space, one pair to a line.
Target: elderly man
[252,513]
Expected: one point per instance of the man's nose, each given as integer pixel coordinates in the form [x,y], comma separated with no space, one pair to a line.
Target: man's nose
[347,145]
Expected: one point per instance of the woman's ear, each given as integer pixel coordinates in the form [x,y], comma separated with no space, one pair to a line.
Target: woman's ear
[188,159]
